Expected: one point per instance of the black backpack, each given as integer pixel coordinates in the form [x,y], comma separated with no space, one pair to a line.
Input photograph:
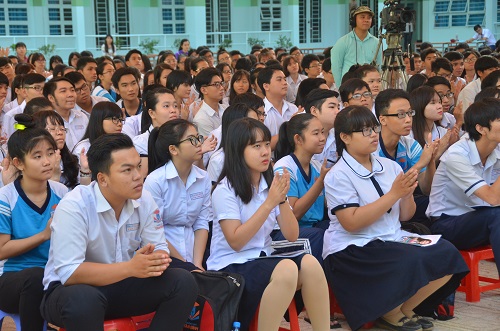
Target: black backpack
[217,304]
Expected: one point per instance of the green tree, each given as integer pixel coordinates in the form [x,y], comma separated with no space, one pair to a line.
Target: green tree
[47,50]
[284,41]
[255,41]
[149,45]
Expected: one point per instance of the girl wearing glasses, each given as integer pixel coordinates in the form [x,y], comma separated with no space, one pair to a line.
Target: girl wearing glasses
[71,171]
[106,117]
[27,205]
[38,61]
[429,113]
[368,197]
[226,73]
[104,85]
[181,190]
[247,201]
[470,58]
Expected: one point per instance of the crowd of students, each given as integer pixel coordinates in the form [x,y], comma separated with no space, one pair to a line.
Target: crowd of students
[119,179]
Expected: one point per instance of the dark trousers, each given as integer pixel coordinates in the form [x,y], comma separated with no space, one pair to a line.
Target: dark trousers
[85,307]
[21,293]
[472,229]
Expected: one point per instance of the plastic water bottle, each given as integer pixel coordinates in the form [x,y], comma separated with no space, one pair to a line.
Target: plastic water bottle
[236,326]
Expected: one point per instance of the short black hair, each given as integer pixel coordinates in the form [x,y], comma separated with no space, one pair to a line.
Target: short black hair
[453,56]
[308,59]
[75,77]
[83,61]
[351,86]
[99,153]
[489,92]
[384,99]
[3,79]
[306,86]
[462,46]
[350,119]
[265,76]
[132,51]
[87,53]
[37,104]
[177,78]
[251,100]
[441,63]
[481,113]
[416,81]
[20,44]
[477,26]
[122,72]
[51,86]
[486,62]
[33,78]
[204,78]
[317,97]
[437,80]
[491,80]
[425,45]
[427,51]
[194,63]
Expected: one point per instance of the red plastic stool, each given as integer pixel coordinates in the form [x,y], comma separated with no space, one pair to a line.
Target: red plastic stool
[142,322]
[335,308]
[292,314]
[470,284]
[119,324]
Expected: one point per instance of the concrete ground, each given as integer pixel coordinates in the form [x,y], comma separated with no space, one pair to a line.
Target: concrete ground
[483,315]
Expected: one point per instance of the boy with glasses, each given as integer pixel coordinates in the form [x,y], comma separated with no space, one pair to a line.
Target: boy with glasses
[210,86]
[394,112]
[356,92]
[311,65]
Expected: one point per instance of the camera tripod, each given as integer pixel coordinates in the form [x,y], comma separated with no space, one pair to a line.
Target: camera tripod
[393,73]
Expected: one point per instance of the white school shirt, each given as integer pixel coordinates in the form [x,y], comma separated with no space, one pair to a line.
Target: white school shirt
[217,133]
[329,151]
[458,176]
[437,132]
[274,119]
[132,125]
[85,229]
[184,209]
[293,87]
[468,93]
[216,164]
[347,185]
[227,205]
[9,121]
[207,120]
[486,34]
[141,142]
[76,127]
[10,105]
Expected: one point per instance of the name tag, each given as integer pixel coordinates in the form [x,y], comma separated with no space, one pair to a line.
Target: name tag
[196,196]
[495,172]
[400,154]
[132,227]
[79,127]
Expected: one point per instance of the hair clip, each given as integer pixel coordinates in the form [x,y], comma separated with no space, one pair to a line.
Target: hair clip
[19,126]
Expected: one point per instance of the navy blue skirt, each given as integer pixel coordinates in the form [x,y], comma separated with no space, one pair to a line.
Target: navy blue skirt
[257,274]
[370,281]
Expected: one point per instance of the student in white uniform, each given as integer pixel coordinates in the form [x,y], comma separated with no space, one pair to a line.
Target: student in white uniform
[72,170]
[106,118]
[61,92]
[427,120]
[356,92]
[247,202]
[181,190]
[467,181]
[232,113]
[26,208]
[161,107]
[325,105]
[368,196]
[108,256]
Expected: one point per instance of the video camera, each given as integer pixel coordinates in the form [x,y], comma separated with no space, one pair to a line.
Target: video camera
[394,16]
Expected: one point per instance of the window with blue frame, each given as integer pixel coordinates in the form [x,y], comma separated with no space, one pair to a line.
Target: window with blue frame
[18,14]
[55,30]
[173,17]
[457,13]
[18,30]
[54,14]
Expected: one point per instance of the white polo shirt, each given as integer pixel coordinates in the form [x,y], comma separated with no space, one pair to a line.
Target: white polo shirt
[141,142]
[76,127]
[207,119]
[218,135]
[468,94]
[95,100]
[9,121]
[274,119]
[85,229]
[458,176]
[437,132]
[293,87]
[227,205]
[329,151]
[347,185]
[184,209]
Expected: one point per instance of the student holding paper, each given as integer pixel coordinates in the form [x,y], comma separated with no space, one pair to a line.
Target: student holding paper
[368,196]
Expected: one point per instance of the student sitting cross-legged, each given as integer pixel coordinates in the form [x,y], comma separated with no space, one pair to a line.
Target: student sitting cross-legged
[370,273]
[108,256]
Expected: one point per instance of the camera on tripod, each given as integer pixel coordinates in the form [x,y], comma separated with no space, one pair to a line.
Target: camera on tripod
[394,16]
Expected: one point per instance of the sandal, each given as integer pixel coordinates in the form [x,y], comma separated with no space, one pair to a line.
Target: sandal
[334,323]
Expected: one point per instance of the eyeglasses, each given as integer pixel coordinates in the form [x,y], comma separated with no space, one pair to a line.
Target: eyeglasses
[194,140]
[108,72]
[115,120]
[261,113]
[369,130]
[58,129]
[297,54]
[222,59]
[402,115]
[41,60]
[79,90]
[217,84]
[227,72]
[471,60]
[315,65]
[449,95]
[358,96]
[35,87]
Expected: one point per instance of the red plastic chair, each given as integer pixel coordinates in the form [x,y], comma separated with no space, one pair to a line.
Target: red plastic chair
[292,313]
[119,324]
[142,322]
[470,284]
